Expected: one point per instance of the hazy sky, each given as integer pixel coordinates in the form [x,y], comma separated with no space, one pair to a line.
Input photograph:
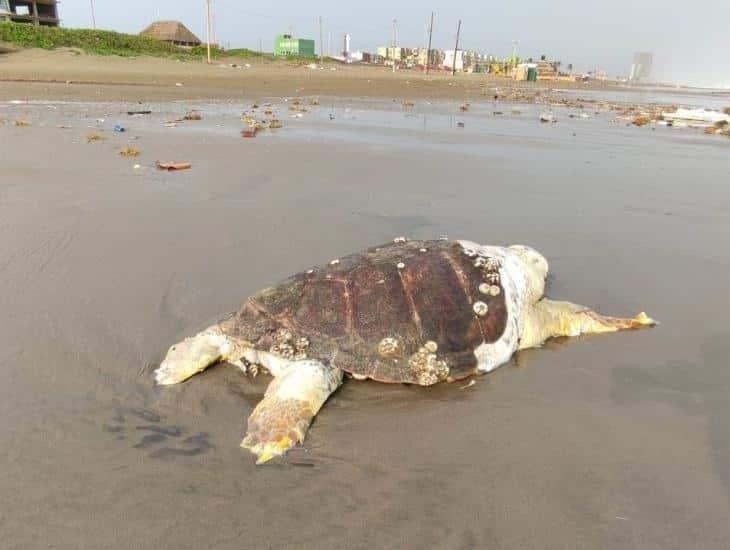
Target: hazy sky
[690,40]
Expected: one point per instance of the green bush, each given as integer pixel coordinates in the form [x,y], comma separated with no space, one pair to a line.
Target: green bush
[112,43]
[88,40]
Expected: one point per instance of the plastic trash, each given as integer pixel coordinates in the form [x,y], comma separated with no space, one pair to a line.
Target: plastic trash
[173,165]
[119,128]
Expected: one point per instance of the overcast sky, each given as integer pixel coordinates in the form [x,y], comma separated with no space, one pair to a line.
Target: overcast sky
[690,40]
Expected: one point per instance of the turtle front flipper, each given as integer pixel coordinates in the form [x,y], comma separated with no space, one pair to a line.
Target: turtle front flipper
[194,355]
[550,318]
[293,398]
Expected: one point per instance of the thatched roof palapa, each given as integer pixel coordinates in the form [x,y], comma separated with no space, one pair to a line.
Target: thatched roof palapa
[171,31]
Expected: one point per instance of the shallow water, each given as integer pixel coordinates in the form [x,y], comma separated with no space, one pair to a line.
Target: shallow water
[616,441]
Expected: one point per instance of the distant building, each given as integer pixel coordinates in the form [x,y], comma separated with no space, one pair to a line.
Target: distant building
[286,44]
[641,67]
[423,56]
[454,59]
[394,53]
[37,12]
[173,32]
[346,53]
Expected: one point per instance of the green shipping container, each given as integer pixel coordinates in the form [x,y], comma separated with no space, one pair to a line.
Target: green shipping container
[285,45]
[532,74]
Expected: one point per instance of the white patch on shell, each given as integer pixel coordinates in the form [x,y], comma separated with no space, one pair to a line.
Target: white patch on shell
[389,347]
[514,284]
[431,346]
[401,265]
[480,308]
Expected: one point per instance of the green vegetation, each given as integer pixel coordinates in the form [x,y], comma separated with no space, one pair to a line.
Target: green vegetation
[110,43]
[91,41]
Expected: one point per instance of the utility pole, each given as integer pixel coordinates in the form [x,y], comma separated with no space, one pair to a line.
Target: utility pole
[93,15]
[456,49]
[207,27]
[428,50]
[395,40]
[213,27]
[321,43]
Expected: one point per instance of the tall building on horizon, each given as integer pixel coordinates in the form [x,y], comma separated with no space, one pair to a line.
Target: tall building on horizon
[641,67]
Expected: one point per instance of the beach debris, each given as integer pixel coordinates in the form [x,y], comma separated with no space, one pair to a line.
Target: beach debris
[408,104]
[332,116]
[119,128]
[497,113]
[20,123]
[94,136]
[464,107]
[469,385]
[696,115]
[249,132]
[193,115]
[460,124]
[171,124]
[137,166]
[137,113]
[274,123]
[179,84]
[641,120]
[129,152]
[516,112]
[173,165]
[548,117]
[314,101]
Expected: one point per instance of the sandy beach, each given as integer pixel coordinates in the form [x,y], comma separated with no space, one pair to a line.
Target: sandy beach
[69,74]
[616,441]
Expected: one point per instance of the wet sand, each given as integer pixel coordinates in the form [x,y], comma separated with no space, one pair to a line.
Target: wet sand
[615,441]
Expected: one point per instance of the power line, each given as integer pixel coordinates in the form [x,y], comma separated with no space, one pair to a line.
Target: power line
[456,49]
[428,50]
[93,15]
[207,27]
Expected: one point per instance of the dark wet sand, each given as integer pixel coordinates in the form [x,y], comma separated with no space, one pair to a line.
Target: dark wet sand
[616,441]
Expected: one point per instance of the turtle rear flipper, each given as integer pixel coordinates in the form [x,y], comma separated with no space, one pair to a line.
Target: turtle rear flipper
[293,398]
[550,318]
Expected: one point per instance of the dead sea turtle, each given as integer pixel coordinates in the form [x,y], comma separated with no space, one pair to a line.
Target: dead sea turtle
[415,312]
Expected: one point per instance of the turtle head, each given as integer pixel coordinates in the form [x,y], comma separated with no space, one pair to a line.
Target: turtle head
[536,268]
